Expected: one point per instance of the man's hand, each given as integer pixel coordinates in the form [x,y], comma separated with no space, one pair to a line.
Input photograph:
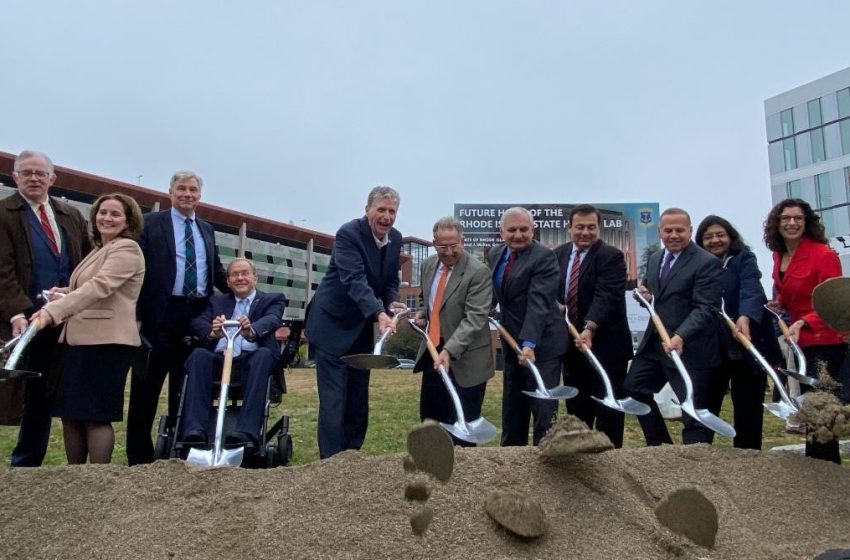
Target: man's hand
[526,356]
[420,322]
[443,360]
[743,326]
[245,328]
[585,338]
[676,343]
[397,307]
[217,327]
[19,325]
[384,323]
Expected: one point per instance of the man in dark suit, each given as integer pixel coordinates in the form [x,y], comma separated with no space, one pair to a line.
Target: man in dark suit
[182,266]
[525,281]
[359,291]
[42,240]
[255,352]
[593,289]
[456,293]
[685,281]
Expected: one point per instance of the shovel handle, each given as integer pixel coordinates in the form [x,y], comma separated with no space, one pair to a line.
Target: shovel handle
[739,336]
[779,320]
[506,336]
[574,332]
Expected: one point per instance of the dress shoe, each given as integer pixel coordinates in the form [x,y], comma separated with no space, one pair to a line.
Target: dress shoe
[195,439]
[240,439]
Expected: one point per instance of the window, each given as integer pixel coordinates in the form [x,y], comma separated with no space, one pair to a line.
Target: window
[786,118]
[794,189]
[412,302]
[790,154]
[818,148]
[845,136]
[824,196]
[843,102]
[815,118]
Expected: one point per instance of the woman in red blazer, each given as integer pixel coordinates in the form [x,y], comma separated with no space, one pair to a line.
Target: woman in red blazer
[802,259]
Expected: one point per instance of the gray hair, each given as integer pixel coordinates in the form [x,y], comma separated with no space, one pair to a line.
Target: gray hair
[242,259]
[516,210]
[674,210]
[448,222]
[382,192]
[27,154]
[182,175]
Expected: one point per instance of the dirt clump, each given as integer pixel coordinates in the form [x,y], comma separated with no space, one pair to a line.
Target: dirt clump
[824,416]
[517,513]
[432,450]
[421,519]
[417,491]
[568,435]
[688,512]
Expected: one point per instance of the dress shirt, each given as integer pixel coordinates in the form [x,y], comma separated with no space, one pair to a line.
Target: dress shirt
[240,345]
[178,222]
[581,254]
[436,282]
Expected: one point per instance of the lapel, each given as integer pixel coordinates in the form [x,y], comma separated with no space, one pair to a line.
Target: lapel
[681,261]
[455,278]
[39,232]
[652,272]
[427,280]
[254,304]
[94,259]
[799,260]
[523,261]
[373,254]
[167,229]
[209,246]
[587,261]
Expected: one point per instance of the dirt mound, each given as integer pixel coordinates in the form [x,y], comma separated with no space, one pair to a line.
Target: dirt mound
[598,506]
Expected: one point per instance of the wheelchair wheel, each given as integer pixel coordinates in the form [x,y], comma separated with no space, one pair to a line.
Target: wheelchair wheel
[284,449]
[271,455]
[163,440]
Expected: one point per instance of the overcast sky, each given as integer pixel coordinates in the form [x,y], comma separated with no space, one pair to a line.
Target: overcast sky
[294,110]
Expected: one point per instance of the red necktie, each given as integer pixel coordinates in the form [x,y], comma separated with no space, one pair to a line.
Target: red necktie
[572,291]
[48,231]
[434,319]
[508,266]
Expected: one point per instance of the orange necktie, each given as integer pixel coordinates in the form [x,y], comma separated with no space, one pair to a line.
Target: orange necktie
[434,319]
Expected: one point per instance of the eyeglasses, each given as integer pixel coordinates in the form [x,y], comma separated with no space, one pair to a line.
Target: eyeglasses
[445,248]
[716,235]
[789,219]
[30,172]
[241,274]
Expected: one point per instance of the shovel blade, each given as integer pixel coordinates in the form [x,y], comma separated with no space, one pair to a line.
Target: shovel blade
[17,374]
[477,431]
[709,420]
[804,379]
[207,458]
[370,361]
[559,393]
[780,409]
[627,405]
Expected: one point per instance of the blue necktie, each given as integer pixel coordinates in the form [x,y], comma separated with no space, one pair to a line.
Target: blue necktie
[190,278]
[665,269]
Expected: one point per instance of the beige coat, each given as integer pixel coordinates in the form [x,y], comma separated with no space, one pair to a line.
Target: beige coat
[100,307]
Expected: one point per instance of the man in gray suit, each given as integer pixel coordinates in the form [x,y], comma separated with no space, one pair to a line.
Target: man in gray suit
[457,294]
[525,282]
[686,283]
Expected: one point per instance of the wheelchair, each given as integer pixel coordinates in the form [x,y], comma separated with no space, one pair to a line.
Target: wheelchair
[275,447]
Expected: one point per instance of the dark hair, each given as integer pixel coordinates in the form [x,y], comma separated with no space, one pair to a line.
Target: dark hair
[736,243]
[132,212]
[814,228]
[585,209]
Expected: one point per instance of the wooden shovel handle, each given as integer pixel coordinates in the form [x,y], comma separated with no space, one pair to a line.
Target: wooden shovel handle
[739,336]
[574,332]
[659,326]
[503,332]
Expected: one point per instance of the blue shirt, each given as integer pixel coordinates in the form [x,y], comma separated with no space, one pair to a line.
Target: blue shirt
[178,222]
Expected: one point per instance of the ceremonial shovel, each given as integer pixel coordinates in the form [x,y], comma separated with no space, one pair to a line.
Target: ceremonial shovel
[560,392]
[217,456]
[628,404]
[787,406]
[800,374]
[376,360]
[478,431]
[10,368]
[702,415]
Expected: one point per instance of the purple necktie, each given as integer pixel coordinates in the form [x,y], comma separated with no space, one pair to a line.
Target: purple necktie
[665,269]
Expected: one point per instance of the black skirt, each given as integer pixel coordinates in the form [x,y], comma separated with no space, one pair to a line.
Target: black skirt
[92,384]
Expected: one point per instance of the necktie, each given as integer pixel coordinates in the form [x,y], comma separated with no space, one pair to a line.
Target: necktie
[48,231]
[572,289]
[239,310]
[190,277]
[665,269]
[508,266]
[434,319]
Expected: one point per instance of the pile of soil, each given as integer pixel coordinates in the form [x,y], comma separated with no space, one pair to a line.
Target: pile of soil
[599,506]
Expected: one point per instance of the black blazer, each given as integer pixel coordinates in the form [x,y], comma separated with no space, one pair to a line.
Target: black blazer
[359,284]
[157,243]
[687,305]
[528,300]
[601,297]
[266,315]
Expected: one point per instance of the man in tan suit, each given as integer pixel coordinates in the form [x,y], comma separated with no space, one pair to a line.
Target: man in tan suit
[459,289]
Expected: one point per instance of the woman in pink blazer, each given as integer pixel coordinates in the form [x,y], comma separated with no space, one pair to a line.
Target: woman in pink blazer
[98,310]
[802,259]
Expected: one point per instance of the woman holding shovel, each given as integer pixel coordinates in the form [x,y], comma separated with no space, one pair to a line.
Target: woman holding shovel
[744,299]
[802,259]
[99,312]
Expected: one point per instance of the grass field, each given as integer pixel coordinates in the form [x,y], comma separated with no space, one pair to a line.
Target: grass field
[394,408]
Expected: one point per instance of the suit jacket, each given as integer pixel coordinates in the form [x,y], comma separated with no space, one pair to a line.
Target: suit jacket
[528,300]
[265,313]
[158,246]
[811,264]
[100,307]
[358,285]
[16,252]
[601,298]
[686,305]
[464,314]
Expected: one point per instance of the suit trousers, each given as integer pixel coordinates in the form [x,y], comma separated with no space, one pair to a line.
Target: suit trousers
[518,408]
[170,349]
[255,368]
[579,373]
[343,404]
[436,403]
[44,356]
[748,384]
[647,375]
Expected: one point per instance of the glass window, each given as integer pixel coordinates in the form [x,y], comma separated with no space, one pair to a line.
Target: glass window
[803,144]
[790,154]
[815,118]
[774,155]
[823,190]
[794,189]
[832,139]
[845,136]
[774,130]
[818,148]
[786,119]
[412,302]
[843,102]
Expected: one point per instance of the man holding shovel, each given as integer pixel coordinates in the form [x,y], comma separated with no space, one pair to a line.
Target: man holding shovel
[457,294]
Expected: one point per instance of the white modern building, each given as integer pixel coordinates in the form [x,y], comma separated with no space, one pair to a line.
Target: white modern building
[808,134]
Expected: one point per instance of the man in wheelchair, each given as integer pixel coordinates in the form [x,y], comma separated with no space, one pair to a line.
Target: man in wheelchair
[255,354]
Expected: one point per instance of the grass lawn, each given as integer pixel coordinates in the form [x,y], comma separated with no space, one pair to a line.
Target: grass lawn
[394,408]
